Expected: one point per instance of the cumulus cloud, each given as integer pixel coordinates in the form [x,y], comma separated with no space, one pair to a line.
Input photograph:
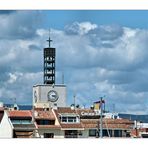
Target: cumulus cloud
[20,55]
[19,24]
[79,28]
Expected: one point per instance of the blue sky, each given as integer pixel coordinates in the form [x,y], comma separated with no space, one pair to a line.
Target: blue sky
[100,52]
[130,18]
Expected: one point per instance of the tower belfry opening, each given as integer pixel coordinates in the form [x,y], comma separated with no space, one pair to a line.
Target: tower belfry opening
[49,63]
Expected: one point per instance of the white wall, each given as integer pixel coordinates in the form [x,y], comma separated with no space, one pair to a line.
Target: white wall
[42,91]
[6,128]
[85,133]
[142,125]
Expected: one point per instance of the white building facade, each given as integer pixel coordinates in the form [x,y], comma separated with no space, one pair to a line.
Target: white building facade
[6,127]
[49,96]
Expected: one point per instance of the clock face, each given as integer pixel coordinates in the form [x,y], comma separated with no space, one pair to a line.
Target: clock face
[52,96]
[35,96]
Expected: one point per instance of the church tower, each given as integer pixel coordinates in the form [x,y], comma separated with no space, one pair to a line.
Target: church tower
[49,94]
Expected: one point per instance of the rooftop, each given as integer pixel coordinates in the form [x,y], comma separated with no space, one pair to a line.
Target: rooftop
[72,126]
[19,113]
[76,110]
[108,123]
[44,115]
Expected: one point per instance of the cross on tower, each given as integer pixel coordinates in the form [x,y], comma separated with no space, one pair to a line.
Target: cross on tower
[49,40]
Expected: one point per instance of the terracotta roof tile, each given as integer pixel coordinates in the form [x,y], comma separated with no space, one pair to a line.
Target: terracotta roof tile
[77,110]
[19,113]
[76,125]
[44,115]
[85,110]
[65,110]
[108,123]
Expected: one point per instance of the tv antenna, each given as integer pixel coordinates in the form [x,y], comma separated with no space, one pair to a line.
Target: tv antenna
[49,40]
[62,77]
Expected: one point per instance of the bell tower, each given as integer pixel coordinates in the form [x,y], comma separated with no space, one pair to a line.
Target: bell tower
[49,64]
[49,94]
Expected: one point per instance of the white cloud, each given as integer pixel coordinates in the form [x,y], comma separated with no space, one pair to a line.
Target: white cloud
[13,78]
[80,28]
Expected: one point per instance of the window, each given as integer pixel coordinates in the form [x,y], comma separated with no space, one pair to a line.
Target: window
[69,119]
[63,119]
[110,133]
[117,133]
[45,122]
[17,121]
[71,134]
[48,135]
[107,133]
[92,132]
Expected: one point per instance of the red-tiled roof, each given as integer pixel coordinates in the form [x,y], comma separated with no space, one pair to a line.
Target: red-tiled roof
[77,110]
[71,126]
[108,123]
[65,110]
[44,115]
[19,113]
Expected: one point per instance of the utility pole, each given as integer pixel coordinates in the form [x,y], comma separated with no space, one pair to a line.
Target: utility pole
[62,77]
[14,100]
[101,120]
[113,108]
[74,100]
